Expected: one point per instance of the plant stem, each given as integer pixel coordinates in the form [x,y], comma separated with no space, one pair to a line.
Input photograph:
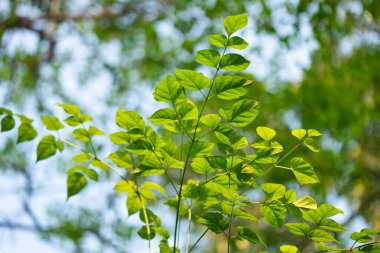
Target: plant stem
[199,239]
[191,146]
[229,231]
[146,221]
[188,230]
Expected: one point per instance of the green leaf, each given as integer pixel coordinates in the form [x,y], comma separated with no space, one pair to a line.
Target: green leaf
[240,213]
[299,133]
[244,173]
[60,145]
[7,123]
[120,138]
[187,111]
[82,157]
[322,212]
[247,234]
[303,171]
[298,228]
[235,23]
[364,235]
[5,111]
[75,183]
[70,108]
[306,202]
[266,133]
[218,40]
[122,159]
[242,113]
[143,233]
[162,232]
[273,212]
[133,204]
[81,134]
[99,164]
[164,247]
[216,222]
[129,120]
[234,62]
[208,57]
[201,165]
[192,80]
[311,144]
[313,132]
[288,249]
[46,147]
[163,116]
[273,191]
[331,225]
[170,161]
[237,42]
[169,90]
[95,131]
[230,87]
[318,235]
[152,217]
[77,120]
[153,186]
[52,123]
[125,186]
[92,174]
[198,148]
[26,132]
[210,120]
[290,196]
[24,119]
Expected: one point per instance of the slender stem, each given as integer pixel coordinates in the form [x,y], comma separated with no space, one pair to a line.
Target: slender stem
[92,155]
[191,146]
[90,137]
[229,231]
[282,167]
[199,239]
[188,230]
[146,221]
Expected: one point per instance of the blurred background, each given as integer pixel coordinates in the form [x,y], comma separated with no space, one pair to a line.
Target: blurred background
[315,63]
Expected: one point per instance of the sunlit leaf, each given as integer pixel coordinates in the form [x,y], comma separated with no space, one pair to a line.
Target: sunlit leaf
[234,62]
[218,40]
[303,171]
[52,123]
[46,147]
[163,116]
[288,249]
[299,133]
[75,183]
[311,144]
[266,133]
[318,235]
[122,159]
[242,112]
[235,23]
[70,108]
[237,42]
[26,132]
[244,233]
[208,57]
[81,134]
[230,87]
[273,212]
[192,80]
[216,222]
[129,120]
[298,228]
[273,191]
[210,120]
[306,202]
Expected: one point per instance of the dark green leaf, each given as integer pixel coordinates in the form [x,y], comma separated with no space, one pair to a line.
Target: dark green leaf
[7,123]
[247,234]
[5,111]
[311,144]
[208,57]
[26,132]
[146,234]
[46,147]
[75,183]
[152,217]
[216,222]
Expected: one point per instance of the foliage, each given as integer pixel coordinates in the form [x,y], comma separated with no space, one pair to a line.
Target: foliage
[219,170]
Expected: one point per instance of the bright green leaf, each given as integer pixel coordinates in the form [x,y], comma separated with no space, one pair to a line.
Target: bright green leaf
[210,120]
[82,157]
[192,80]
[303,171]
[273,212]
[92,174]
[95,131]
[163,116]
[237,42]
[187,111]
[288,249]
[230,87]
[81,134]
[290,196]
[235,23]
[273,191]
[129,120]
[313,132]
[70,109]
[201,165]
[299,133]
[298,228]
[122,159]
[52,123]
[266,133]
[208,57]
[331,225]
[306,202]
[120,138]
[242,113]
[218,40]
[318,235]
[169,90]
[234,62]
